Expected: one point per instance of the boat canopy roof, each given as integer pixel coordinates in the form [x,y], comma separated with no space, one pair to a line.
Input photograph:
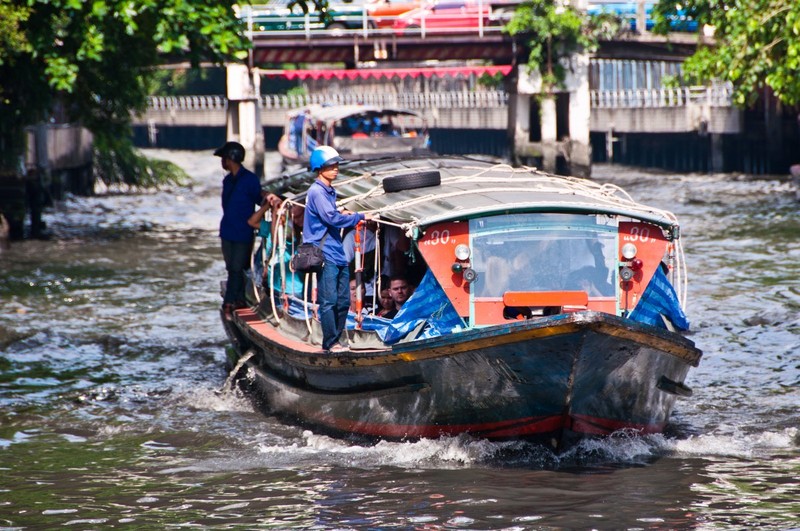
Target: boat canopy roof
[334,113]
[469,188]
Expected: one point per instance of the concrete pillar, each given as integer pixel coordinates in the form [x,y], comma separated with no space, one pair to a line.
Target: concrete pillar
[528,84]
[580,109]
[549,125]
[518,122]
[243,119]
[574,149]
[641,17]
[717,154]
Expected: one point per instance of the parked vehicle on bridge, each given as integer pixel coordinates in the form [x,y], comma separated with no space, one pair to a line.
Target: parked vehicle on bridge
[352,15]
[445,16]
[282,15]
[356,131]
[626,11]
[383,13]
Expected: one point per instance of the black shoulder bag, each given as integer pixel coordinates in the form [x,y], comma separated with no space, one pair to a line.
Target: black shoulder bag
[308,258]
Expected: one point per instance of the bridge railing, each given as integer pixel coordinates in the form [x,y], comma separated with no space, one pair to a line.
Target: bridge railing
[483,99]
[460,99]
[187,103]
[714,96]
[276,20]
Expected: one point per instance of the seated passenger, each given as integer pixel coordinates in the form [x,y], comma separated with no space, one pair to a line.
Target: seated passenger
[400,290]
[365,306]
[278,266]
[386,303]
[399,258]
[271,202]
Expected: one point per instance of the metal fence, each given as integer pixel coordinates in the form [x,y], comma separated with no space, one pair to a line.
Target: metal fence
[277,20]
[442,100]
[714,96]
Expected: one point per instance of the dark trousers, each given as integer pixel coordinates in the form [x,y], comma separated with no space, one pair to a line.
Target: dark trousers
[334,301]
[237,262]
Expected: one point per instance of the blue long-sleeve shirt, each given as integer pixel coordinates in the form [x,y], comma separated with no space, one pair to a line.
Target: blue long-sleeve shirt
[322,218]
[240,195]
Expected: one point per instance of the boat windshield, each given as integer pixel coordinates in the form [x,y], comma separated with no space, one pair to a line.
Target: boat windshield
[544,252]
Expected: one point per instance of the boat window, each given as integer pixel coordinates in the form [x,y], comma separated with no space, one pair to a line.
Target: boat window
[543,252]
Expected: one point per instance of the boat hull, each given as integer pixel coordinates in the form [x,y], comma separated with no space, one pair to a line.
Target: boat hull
[555,380]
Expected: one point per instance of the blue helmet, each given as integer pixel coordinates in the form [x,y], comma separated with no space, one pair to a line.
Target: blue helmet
[323,157]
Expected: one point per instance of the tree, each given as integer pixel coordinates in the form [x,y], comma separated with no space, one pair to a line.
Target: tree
[756,44]
[554,31]
[92,61]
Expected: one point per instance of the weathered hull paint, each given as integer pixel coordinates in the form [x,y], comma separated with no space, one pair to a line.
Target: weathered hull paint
[556,380]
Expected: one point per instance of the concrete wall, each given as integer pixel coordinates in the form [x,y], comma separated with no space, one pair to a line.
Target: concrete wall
[690,117]
[469,112]
[58,159]
[569,154]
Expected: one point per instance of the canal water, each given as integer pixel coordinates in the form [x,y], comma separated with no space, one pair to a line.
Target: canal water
[112,414]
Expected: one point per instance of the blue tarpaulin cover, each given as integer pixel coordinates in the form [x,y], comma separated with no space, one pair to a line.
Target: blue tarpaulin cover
[659,298]
[429,305]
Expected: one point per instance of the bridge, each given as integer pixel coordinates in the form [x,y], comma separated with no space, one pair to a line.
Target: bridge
[614,114]
[665,110]
[554,132]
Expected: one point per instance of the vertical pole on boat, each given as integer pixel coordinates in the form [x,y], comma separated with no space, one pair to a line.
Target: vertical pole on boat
[280,236]
[314,293]
[359,273]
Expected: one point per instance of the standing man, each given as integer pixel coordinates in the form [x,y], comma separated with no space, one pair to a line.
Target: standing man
[323,220]
[241,192]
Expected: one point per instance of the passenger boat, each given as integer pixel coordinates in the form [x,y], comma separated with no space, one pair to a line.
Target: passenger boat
[356,131]
[548,308]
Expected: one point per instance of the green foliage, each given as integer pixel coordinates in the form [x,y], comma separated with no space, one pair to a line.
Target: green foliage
[12,38]
[671,81]
[756,45]
[95,59]
[297,91]
[116,156]
[555,32]
[184,81]
[495,81]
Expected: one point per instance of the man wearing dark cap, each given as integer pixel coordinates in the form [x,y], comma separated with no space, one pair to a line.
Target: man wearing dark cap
[241,192]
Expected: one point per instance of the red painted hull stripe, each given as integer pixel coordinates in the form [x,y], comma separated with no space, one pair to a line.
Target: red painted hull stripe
[600,426]
[530,426]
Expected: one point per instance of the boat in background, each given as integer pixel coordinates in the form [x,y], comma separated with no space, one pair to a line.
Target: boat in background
[546,308]
[356,131]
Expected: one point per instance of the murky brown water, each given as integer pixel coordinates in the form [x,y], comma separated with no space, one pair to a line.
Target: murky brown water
[111,358]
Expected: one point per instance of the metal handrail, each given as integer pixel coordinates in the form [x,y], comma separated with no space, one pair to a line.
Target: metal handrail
[715,96]
[455,99]
[363,24]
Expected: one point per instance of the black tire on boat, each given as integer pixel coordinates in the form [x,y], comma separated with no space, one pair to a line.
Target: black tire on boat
[409,181]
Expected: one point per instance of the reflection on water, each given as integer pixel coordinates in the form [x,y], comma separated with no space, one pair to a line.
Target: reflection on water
[112,358]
